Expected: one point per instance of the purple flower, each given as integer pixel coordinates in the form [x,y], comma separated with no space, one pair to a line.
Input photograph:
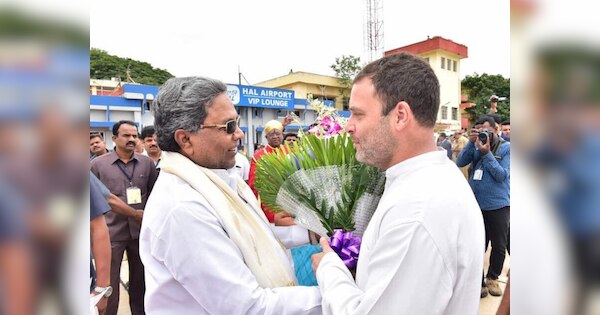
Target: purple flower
[334,129]
[331,126]
[326,121]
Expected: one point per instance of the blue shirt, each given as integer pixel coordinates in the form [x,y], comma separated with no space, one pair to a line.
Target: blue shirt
[578,198]
[493,190]
[448,146]
[98,197]
[98,206]
[12,213]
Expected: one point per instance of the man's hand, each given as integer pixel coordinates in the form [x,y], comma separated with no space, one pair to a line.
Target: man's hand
[101,304]
[287,120]
[138,216]
[119,206]
[316,258]
[483,148]
[283,219]
[473,134]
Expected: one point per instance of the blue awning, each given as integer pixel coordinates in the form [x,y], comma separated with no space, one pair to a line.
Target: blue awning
[101,124]
[296,128]
[106,124]
[344,113]
[113,101]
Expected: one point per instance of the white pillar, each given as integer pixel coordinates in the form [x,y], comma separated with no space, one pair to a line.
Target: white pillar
[250,144]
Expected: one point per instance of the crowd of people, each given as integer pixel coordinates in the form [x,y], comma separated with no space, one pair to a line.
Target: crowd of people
[198,240]
[483,156]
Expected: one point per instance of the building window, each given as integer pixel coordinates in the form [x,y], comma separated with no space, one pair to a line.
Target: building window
[257,139]
[242,111]
[454,113]
[454,65]
[258,112]
[444,112]
[281,114]
[443,63]
[322,98]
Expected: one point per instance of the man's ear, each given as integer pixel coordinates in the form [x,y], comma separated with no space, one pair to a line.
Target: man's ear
[401,115]
[182,138]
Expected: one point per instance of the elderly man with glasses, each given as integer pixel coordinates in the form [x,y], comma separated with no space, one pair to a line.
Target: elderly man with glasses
[206,244]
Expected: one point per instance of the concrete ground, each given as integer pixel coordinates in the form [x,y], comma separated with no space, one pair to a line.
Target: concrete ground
[488,305]
[124,296]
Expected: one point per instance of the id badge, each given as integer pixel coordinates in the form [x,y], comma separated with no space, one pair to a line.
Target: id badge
[134,195]
[478,174]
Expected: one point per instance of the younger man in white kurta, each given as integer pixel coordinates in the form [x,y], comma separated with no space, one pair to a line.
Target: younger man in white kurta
[417,253]
[422,251]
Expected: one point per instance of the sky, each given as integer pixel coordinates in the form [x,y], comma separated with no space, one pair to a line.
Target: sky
[268,38]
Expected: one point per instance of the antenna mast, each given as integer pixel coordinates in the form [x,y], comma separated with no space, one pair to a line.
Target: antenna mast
[373,30]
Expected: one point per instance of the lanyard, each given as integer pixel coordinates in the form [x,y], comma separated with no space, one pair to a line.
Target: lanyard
[130,178]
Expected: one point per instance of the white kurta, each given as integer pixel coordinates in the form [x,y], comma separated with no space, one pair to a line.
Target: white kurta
[422,252]
[156,163]
[192,267]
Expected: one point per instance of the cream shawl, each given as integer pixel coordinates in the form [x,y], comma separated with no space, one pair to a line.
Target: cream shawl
[258,245]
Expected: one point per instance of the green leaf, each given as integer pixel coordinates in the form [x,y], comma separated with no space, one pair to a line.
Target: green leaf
[312,153]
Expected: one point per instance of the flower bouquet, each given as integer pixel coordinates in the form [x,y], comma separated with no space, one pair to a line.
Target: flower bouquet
[320,183]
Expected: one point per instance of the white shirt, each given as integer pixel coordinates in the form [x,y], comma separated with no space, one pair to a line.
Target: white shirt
[192,267]
[157,162]
[422,252]
[242,166]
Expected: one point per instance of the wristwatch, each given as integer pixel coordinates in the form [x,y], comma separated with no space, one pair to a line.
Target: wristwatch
[107,291]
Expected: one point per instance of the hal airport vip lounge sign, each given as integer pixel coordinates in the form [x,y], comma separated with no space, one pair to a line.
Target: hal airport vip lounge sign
[254,96]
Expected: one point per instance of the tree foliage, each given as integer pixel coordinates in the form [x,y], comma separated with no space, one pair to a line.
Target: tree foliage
[346,68]
[479,88]
[106,66]
[18,24]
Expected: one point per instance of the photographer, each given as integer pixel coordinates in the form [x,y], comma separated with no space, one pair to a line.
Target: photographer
[490,181]
[493,104]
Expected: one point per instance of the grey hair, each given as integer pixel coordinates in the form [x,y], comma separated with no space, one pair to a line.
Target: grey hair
[182,103]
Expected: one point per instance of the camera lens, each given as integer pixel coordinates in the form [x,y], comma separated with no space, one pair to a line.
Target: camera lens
[483,136]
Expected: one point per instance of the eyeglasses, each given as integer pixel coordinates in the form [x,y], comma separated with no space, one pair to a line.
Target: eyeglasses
[230,126]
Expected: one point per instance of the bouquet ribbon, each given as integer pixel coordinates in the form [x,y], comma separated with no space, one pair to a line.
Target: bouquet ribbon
[347,246]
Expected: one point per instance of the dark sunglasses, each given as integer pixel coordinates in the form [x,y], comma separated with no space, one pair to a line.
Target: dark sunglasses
[230,126]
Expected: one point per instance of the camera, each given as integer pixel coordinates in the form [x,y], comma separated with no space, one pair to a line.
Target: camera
[484,136]
[494,99]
